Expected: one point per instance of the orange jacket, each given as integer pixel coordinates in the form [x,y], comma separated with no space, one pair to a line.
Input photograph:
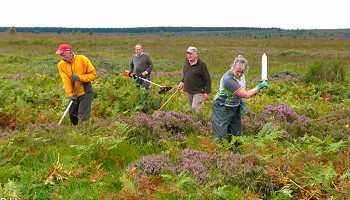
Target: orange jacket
[82,67]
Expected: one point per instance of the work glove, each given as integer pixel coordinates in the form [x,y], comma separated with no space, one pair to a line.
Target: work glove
[73,98]
[262,85]
[75,78]
[132,76]
[243,108]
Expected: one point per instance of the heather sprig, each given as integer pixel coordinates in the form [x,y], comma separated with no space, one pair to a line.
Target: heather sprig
[150,165]
[218,167]
[171,126]
[281,115]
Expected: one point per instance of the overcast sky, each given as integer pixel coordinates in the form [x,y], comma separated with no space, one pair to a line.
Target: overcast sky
[286,14]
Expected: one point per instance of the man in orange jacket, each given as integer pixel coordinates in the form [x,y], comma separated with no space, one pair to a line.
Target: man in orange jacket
[77,73]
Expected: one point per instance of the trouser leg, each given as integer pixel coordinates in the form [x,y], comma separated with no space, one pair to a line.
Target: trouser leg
[195,102]
[235,125]
[73,113]
[80,110]
[221,117]
[85,106]
[146,84]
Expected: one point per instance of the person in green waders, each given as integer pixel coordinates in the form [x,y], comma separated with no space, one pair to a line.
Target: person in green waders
[228,105]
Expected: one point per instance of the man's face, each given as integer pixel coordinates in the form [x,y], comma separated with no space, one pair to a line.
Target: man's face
[191,56]
[67,56]
[138,49]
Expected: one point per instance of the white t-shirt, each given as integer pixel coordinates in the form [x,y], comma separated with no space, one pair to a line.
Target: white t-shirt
[242,82]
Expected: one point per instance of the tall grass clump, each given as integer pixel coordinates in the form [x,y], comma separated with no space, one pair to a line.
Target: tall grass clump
[325,71]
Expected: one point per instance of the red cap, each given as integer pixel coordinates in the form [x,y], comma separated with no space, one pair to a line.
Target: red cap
[63,48]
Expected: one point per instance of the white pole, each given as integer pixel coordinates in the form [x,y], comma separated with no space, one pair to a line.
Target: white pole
[65,112]
[264,68]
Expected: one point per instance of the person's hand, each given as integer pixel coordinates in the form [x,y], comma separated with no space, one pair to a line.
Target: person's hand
[75,78]
[180,86]
[206,96]
[73,98]
[243,108]
[262,85]
[132,75]
[144,74]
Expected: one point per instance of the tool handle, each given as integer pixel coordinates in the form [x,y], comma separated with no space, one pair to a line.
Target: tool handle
[167,100]
[65,112]
[149,81]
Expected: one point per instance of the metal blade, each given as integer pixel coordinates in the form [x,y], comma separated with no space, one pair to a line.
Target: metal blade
[164,90]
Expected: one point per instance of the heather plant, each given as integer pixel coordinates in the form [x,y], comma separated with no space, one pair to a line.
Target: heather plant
[220,168]
[285,117]
[251,123]
[292,124]
[281,112]
[171,126]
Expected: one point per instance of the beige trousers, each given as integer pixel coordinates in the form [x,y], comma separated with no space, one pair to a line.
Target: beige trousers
[195,102]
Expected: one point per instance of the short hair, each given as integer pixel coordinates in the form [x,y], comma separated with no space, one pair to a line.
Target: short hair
[240,62]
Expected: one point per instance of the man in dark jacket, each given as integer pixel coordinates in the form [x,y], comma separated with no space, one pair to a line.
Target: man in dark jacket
[196,80]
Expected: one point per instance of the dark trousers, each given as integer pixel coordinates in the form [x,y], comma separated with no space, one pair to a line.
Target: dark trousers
[226,121]
[143,83]
[80,110]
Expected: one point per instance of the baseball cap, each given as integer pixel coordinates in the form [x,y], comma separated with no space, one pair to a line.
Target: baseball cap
[192,49]
[63,48]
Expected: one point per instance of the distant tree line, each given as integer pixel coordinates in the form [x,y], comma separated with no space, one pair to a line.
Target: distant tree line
[129,30]
[243,32]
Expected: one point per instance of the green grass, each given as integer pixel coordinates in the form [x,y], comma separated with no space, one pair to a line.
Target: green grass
[91,161]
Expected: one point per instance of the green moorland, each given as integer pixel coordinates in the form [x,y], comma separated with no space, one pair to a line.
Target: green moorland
[296,132]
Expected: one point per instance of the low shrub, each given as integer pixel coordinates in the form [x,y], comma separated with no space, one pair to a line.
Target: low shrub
[170,126]
[291,124]
[323,71]
[206,168]
[335,123]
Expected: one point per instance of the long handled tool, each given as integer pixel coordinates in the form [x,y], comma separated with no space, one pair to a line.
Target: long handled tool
[65,112]
[168,100]
[264,68]
[163,89]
